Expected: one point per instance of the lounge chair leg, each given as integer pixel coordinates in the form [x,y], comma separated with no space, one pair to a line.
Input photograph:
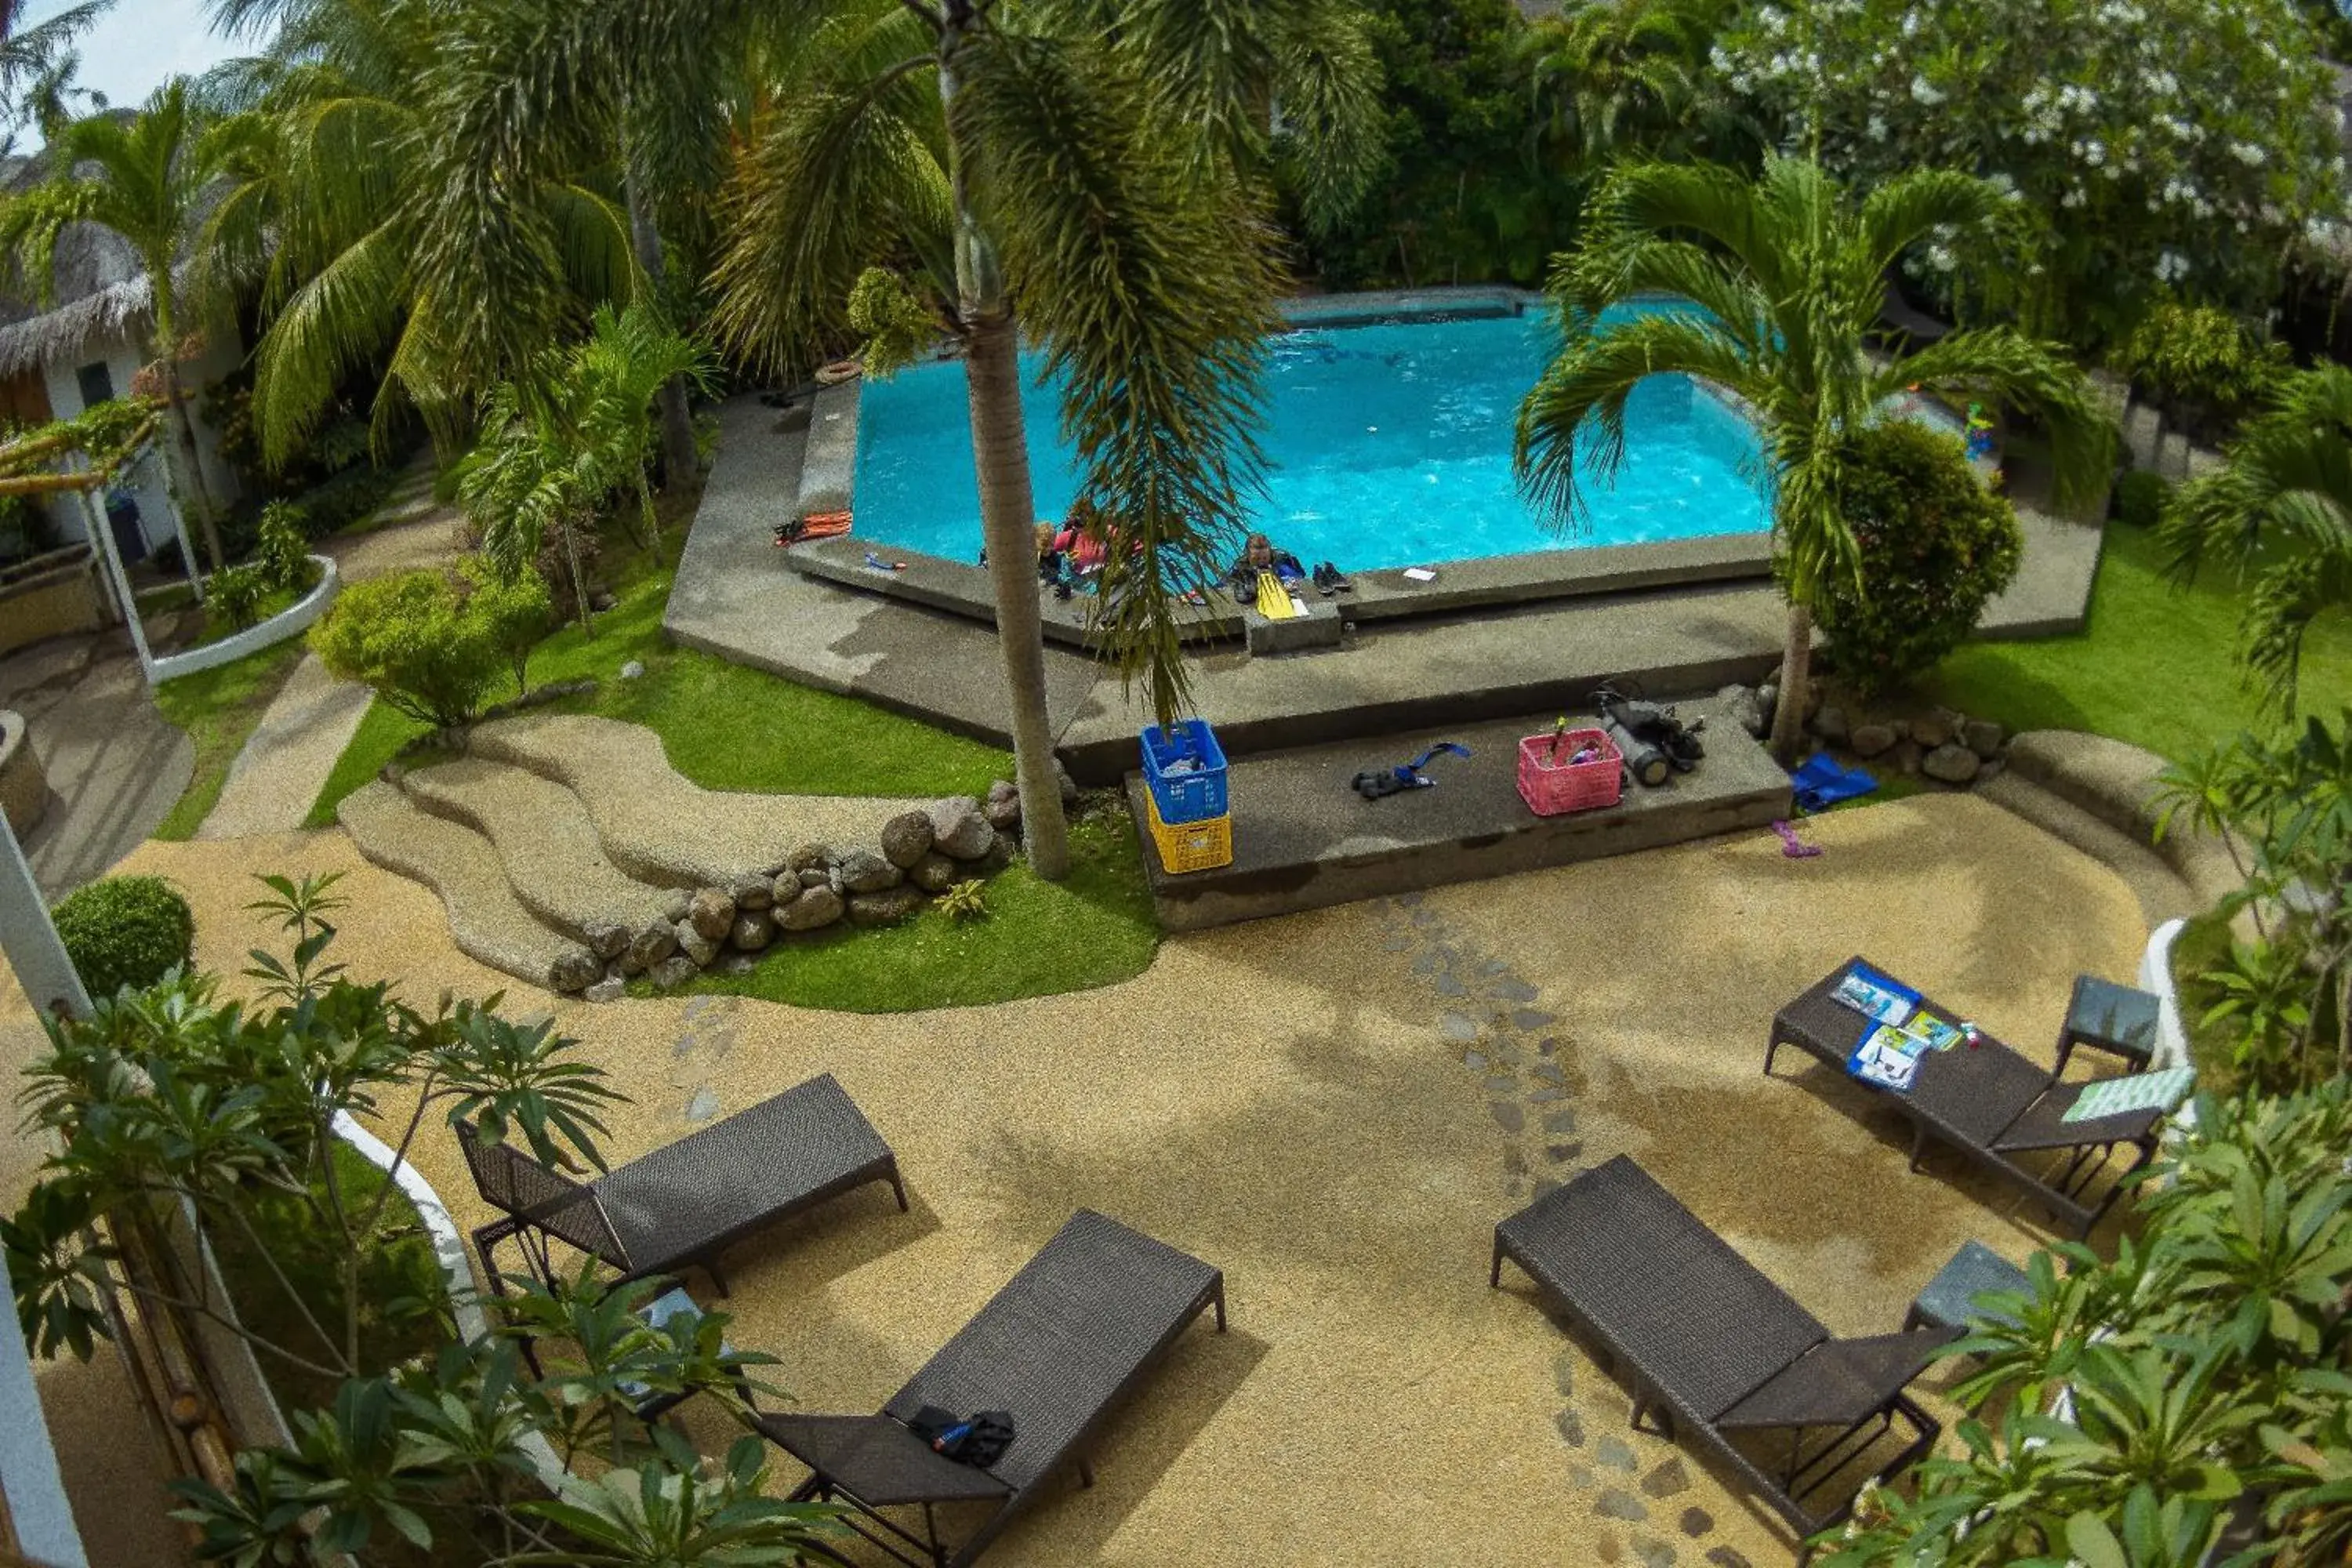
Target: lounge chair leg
[898,1187]
[1085,1474]
[1494,1275]
[1918,1145]
[718,1280]
[1771,1049]
[1219,1301]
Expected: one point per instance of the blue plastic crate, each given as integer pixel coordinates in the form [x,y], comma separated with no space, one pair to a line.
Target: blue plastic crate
[1191,794]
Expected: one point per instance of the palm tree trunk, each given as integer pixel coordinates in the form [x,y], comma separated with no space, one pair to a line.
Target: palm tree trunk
[579,580]
[184,470]
[1000,452]
[679,461]
[1796,673]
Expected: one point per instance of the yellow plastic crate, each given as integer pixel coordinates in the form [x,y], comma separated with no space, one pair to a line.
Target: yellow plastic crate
[1191,846]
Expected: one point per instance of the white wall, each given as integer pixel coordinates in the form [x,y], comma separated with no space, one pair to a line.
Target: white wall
[146,478]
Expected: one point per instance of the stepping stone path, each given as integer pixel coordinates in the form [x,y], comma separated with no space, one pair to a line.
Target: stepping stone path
[1492,1021]
[700,1050]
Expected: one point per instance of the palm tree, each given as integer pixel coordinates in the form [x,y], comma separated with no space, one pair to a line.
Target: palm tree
[2280,511]
[1619,78]
[327,192]
[1082,170]
[632,358]
[143,177]
[37,63]
[1787,274]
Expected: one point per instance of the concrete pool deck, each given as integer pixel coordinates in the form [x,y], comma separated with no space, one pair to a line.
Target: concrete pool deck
[736,597]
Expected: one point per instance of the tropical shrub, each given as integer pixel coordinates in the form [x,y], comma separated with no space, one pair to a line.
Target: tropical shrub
[2158,145]
[514,612]
[234,596]
[282,550]
[1933,546]
[125,931]
[2141,498]
[2205,1367]
[408,635]
[2206,366]
[2283,1000]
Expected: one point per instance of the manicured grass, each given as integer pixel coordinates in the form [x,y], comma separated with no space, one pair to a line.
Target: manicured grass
[2157,667]
[382,732]
[219,707]
[724,726]
[1037,939]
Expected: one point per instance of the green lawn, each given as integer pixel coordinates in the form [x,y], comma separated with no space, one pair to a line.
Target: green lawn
[219,707]
[2157,667]
[724,726]
[1037,939]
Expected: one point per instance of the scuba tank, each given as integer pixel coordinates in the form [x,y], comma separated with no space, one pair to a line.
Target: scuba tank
[1654,742]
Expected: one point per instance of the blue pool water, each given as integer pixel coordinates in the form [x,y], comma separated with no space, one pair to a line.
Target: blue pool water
[1387,446]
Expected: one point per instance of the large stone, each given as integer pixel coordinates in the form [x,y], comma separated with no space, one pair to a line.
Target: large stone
[1931,730]
[650,946]
[1070,787]
[906,838]
[1768,700]
[814,908]
[1005,815]
[712,913]
[672,972]
[1001,790]
[959,831]
[675,903]
[1983,737]
[1830,724]
[1908,756]
[606,941]
[806,856]
[1951,763]
[608,989]
[575,971]
[1871,740]
[999,856]
[815,877]
[1742,705]
[753,931]
[864,871]
[885,908]
[751,890]
[694,944]
[934,873]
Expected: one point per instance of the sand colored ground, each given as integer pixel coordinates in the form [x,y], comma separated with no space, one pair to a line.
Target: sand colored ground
[1336,1108]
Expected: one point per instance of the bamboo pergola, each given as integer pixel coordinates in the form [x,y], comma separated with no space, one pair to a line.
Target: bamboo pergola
[59,459]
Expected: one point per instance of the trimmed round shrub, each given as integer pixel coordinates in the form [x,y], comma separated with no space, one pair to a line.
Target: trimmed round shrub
[1936,546]
[125,931]
[408,635]
[2140,497]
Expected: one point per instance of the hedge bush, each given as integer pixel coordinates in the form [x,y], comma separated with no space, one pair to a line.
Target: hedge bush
[125,931]
[1936,546]
[410,637]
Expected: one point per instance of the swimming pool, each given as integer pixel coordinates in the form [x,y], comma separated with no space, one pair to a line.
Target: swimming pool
[1387,445]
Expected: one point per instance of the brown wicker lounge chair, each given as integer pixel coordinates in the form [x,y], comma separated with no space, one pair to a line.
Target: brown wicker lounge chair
[1986,1101]
[1711,1347]
[686,1201]
[1056,1348]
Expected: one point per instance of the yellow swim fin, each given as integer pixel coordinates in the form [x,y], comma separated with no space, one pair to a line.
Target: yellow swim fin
[1273,598]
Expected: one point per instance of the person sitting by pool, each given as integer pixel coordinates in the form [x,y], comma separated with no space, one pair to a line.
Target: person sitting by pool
[1260,555]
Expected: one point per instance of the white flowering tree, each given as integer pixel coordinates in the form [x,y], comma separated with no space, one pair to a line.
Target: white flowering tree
[2186,146]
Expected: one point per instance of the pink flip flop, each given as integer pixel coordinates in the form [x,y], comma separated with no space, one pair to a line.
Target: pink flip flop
[1794,848]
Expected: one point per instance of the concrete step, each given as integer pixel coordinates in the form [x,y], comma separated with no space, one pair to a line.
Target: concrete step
[1302,838]
[656,823]
[2118,783]
[2163,894]
[545,843]
[2172,456]
[2143,432]
[486,920]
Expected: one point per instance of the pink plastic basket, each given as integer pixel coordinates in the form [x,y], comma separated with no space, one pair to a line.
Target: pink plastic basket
[1552,787]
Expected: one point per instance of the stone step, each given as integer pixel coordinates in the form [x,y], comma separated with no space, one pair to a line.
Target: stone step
[545,843]
[2172,456]
[656,823]
[2161,892]
[486,920]
[2143,431]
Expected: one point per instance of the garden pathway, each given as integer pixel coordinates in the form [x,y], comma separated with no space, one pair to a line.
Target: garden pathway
[1336,1107]
[277,777]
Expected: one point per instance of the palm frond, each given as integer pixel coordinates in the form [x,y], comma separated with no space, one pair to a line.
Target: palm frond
[1330,133]
[341,319]
[1150,290]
